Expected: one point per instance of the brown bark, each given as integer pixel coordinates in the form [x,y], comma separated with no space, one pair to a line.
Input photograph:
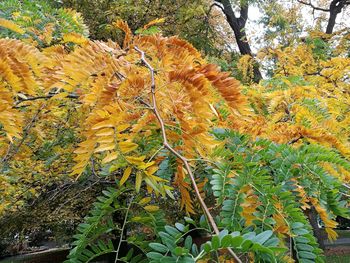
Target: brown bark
[335,8]
[237,24]
[312,215]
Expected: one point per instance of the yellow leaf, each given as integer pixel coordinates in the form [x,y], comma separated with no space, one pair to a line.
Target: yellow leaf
[122,127]
[60,95]
[105,132]
[151,208]
[106,140]
[74,38]
[103,124]
[152,183]
[11,25]
[136,219]
[126,175]
[22,96]
[143,165]
[110,157]
[102,113]
[105,147]
[213,110]
[154,22]
[145,200]
[128,33]
[135,160]
[151,170]
[138,182]
[126,147]
[332,235]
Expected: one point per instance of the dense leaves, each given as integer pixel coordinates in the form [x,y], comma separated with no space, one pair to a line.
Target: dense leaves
[153,119]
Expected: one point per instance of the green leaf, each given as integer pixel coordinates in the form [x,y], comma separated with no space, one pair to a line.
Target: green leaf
[194,250]
[178,251]
[136,259]
[172,231]
[303,240]
[207,247]
[300,231]
[188,242]
[246,245]
[296,225]
[154,255]
[180,227]
[203,222]
[305,247]
[272,242]
[189,221]
[306,254]
[237,241]
[263,237]
[158,247]
[226,241]
[304,260]
[129,255]
[215,242]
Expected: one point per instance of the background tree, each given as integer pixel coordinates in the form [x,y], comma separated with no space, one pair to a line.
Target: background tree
[335,7]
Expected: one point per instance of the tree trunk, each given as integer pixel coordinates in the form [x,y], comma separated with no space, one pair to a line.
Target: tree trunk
[335,8]
[238,27]
[312,215]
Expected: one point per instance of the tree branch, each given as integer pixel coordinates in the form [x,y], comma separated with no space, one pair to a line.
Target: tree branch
[217,5]
[314,7]
[183,159]
[242,20]
[237,25]
[71,96]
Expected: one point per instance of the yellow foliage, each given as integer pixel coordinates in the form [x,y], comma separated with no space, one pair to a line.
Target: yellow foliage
[154,22]
[324,215]
[11,25]
[250,204]
[307,100]
[74,38]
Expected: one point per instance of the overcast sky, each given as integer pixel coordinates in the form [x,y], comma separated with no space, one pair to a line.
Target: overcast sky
[254,15]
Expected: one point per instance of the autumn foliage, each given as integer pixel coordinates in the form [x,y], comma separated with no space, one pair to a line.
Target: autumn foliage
[98,97]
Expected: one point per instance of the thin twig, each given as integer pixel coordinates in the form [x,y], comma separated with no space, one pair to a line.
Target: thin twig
[71,96]
[154,155]
[184,160]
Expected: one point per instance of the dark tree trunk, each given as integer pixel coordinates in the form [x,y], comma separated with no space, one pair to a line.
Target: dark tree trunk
[312,215]
[335,8]
[238,27]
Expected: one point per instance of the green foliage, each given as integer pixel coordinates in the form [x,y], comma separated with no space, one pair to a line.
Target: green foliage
[177,245]
[188,20]
[42,22]
[272,174]
[100,227]
[320,48]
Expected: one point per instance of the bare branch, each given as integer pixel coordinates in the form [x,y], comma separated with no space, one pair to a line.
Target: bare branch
[71,96]
[183,159]
[314,7]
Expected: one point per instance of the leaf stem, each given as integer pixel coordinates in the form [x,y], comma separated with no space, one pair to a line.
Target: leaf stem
[122,230]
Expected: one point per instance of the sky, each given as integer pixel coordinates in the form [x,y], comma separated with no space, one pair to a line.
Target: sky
[255,29]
